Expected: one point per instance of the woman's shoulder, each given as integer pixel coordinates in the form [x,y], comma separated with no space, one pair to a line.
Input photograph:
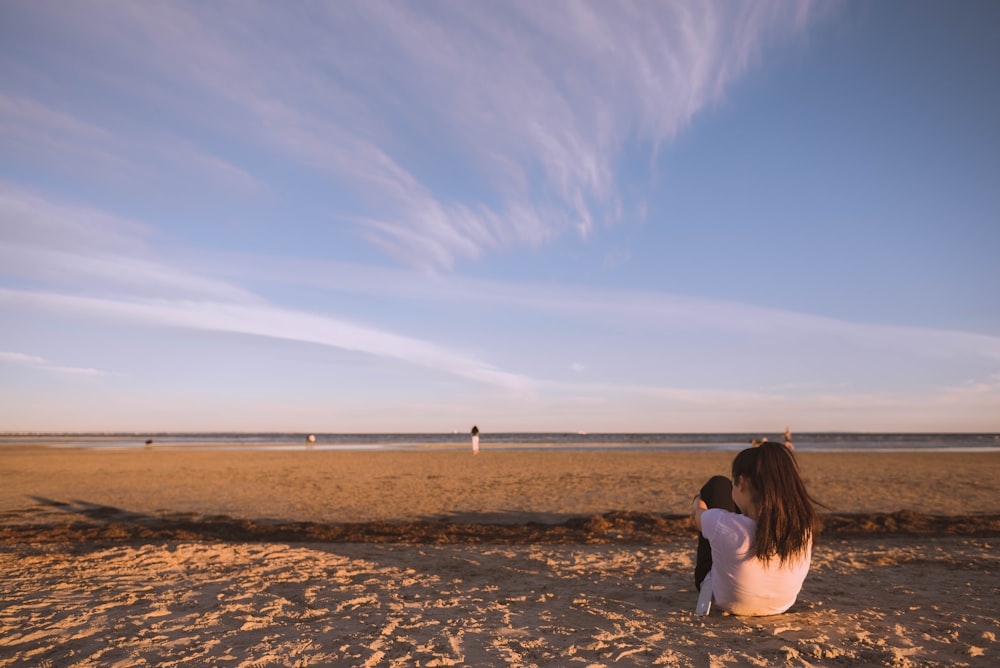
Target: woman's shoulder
[727,520]
[728,515]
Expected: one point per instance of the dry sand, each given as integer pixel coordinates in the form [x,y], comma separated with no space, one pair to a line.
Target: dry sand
[509,558]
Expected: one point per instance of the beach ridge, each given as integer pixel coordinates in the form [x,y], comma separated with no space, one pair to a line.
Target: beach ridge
[98,524]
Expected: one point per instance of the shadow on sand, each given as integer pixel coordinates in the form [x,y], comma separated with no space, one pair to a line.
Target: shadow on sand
[82,521]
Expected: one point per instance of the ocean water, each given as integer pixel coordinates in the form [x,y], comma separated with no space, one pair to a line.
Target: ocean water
[805,442]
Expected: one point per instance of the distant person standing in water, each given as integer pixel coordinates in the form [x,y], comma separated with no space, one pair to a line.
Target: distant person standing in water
[788,438]
[475,440]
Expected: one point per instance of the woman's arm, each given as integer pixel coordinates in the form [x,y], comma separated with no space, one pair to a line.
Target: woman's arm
[697,508]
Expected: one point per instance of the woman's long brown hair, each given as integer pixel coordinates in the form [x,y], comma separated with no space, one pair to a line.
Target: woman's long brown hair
[786,518]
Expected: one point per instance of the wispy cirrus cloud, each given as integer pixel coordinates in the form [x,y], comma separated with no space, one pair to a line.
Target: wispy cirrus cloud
[545,98]
[459,128]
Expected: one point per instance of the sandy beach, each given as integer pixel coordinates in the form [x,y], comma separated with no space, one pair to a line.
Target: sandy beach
[435,558]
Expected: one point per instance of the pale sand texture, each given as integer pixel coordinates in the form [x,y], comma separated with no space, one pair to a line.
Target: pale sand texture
[866,603]
[876,600]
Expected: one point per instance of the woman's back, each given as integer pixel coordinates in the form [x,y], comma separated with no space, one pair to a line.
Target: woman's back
[742,583]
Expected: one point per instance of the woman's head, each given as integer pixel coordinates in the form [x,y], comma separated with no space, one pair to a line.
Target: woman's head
[769,466]
[785,518]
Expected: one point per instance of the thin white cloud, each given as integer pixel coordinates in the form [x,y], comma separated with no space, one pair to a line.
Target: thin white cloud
[277,323]
[970,406]
[114,273]
[667,312]
[24,114]
[31,219]
[22,358]
[110,150]
[632,310]
[82,248]
[42,363]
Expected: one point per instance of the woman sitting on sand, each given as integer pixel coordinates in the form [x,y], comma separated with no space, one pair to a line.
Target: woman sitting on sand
[756,532]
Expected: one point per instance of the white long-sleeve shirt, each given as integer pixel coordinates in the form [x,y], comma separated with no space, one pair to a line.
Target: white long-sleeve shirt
[742,584]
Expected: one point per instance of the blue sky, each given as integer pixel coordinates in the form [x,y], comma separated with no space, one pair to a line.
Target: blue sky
[561,216]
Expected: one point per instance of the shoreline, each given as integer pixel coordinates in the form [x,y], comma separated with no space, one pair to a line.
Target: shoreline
[618,441]
[464,447]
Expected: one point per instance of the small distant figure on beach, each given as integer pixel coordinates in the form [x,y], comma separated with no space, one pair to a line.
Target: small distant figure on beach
[788,438]
[757,442]
[149,442]
[311,439]
[475,440]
